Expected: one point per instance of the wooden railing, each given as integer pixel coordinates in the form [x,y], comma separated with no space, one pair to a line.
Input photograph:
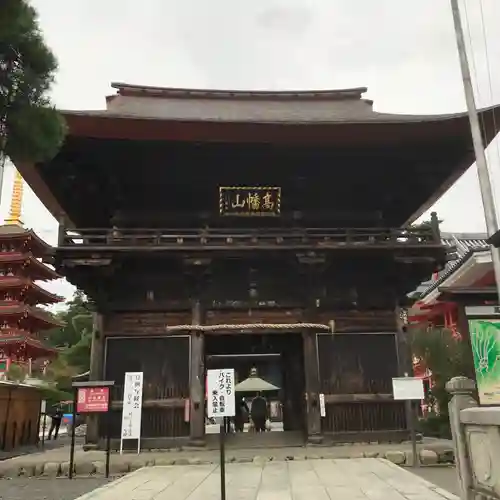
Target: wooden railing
[247,239]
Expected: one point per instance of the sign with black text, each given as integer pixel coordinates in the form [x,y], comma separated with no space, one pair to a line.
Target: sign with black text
[250,201]
[132,408]
[220,389]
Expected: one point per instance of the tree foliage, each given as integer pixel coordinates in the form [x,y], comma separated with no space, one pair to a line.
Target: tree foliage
[73,339]
[16,373]
[446,356]
[30,128]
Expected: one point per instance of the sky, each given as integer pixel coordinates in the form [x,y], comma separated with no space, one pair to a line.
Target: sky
[403,51]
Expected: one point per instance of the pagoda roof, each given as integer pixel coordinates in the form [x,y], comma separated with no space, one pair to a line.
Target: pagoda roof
[331,119]
[37,270]
[42,319]
[35,294]
[19,235]
[14,341]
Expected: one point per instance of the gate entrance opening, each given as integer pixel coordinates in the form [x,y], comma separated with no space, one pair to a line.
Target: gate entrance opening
[276,359]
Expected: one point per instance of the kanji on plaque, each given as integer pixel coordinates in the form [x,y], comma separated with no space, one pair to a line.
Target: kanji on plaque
[92,400]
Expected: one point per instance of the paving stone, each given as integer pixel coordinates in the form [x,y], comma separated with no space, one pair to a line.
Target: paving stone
[428,457]
[39,469]
[396,457]
[9,472]
[51,469]
[446,456]
[26,471]
[371,454]
[409,459]
[162,461]
[65,469]
[115,468]
[84,468]
[355,479]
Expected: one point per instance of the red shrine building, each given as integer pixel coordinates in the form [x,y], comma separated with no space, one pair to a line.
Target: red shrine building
[468,280]
[22,321]
[254,229]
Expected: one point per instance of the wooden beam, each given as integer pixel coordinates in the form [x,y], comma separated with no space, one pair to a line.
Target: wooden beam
[358,398]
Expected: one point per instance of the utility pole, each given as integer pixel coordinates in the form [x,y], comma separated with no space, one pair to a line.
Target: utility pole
[477,139]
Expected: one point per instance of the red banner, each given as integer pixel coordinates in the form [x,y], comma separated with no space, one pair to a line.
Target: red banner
[92,400]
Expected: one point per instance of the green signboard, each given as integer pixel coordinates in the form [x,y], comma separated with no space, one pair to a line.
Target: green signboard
[485,340]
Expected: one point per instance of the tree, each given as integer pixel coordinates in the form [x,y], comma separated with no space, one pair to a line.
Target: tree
[77,320]
[30,128]
[74,339]
[446,356]
[16,373]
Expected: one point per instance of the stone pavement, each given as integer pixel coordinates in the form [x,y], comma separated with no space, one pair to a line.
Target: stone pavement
[356,479]
[53,463]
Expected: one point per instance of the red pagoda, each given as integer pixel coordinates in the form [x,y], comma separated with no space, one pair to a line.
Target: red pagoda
[21,320]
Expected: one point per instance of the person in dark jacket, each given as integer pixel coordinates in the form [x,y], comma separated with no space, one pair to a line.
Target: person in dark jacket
[259,413]
[241,411]
[55,424]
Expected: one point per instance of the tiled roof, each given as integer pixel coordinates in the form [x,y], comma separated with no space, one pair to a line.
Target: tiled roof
[464,244]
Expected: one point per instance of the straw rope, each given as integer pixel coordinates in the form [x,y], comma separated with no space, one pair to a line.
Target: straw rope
[250,326]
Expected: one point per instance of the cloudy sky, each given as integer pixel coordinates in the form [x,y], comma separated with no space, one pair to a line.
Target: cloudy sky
[403,50]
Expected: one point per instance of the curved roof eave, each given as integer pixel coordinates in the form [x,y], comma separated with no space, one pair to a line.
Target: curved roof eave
[371,118]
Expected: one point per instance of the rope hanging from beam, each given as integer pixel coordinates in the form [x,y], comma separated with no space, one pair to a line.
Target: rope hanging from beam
[249,326]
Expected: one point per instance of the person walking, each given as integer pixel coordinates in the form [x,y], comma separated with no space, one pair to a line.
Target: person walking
[241,411]
[56,419]
[258,413]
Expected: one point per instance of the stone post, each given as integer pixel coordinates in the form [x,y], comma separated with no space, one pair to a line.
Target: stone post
[461,390]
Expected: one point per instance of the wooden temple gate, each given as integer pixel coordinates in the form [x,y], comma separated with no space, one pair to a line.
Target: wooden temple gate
[352,369]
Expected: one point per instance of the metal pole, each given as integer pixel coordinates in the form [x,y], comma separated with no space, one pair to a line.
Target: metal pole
[72,448]
[477,139]
[222,439]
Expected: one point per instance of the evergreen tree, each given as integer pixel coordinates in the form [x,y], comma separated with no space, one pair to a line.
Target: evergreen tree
[74,339]
[30,128]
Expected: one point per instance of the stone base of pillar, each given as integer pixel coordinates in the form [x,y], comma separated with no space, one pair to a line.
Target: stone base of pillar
[197,442]
[315,439]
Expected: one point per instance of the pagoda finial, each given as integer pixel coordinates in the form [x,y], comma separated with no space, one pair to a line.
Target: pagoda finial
[16,201]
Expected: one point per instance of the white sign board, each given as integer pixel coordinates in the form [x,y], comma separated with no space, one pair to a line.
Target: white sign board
[220,393]
[43,406]
[408,388]
[322,407]
[132,408]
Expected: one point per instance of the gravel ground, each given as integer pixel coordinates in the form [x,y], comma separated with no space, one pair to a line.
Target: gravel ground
[48,489]
[444,477]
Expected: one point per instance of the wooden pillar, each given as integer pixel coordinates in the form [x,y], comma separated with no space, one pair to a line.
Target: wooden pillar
[405,359]
[311,367]
[403,346]
[61,230]
[96,373]
[197,379]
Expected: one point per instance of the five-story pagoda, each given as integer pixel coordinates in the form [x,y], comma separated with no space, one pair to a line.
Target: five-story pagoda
[21,320]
